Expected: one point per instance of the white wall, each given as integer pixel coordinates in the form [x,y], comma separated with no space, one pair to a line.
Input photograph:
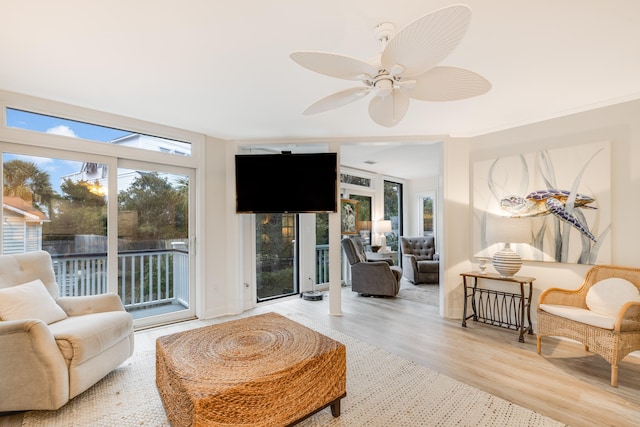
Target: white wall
[412,197]
[618,124]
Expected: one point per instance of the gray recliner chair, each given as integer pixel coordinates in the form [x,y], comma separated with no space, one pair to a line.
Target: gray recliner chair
[420,262]
[370,278]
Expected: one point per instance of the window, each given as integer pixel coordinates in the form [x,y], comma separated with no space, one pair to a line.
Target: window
[393,212]
[363,221]
[74,129]
[426,212]
[82,203]
[355,180]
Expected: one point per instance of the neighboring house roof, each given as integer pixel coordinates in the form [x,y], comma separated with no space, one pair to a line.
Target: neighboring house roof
[21,207]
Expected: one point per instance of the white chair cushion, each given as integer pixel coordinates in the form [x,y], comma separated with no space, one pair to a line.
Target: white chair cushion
[581,315]
[609,295]
[29,300]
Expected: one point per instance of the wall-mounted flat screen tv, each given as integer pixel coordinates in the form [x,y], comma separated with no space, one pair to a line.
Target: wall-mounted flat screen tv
[286,183]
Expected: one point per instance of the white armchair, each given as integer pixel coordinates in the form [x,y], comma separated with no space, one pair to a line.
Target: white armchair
[52,349]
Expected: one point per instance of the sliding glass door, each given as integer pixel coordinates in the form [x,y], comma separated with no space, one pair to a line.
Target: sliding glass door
[70,208]
[153,240]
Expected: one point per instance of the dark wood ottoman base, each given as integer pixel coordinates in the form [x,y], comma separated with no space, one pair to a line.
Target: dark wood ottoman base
[263,370]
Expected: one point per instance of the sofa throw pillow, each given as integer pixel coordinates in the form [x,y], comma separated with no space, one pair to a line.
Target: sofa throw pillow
[29,300]
[609,295]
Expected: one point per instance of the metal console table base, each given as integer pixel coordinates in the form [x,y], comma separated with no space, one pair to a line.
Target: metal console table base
[499,308]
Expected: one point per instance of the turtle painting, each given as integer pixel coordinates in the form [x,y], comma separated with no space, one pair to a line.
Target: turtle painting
[551,201]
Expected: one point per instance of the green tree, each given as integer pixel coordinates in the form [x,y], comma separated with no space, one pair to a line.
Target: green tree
[154,201]
[81,191]
[26,181]
[182,201]
[78,210]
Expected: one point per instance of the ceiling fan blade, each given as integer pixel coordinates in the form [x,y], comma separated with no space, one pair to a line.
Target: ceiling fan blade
[425,42]
[389,110]
[448,84]
[334,65]
[336,100]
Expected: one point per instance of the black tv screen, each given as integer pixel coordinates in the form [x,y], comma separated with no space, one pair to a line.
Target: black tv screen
[286,183]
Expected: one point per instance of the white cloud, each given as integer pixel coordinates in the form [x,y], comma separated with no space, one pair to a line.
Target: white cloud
[62,130]
[42,162]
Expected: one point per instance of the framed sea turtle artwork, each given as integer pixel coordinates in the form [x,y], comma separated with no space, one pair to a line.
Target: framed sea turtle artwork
[558,198]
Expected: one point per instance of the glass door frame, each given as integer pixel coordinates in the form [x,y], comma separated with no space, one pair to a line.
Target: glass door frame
[112,213]
[113,237]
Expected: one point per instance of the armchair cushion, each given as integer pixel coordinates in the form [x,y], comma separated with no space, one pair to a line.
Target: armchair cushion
[609,295]
[581,315]
[29,300]
[80,338]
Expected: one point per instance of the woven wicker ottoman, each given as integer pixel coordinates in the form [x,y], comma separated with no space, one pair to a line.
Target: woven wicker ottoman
[263,370]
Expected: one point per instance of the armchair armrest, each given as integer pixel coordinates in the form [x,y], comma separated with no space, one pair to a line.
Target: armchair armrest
[629,317]
[387,260]
[373,271]
[409,257]
[560,296]
[31,367]
[78,306]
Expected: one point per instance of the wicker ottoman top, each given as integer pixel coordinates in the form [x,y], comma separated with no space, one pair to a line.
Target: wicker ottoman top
[260,370]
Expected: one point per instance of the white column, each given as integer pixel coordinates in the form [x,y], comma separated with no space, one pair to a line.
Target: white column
[335,249]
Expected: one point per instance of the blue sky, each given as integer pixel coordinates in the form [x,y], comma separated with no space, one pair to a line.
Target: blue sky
[48,124]
[54,125]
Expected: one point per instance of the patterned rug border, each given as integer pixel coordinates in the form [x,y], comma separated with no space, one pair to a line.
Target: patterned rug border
[383,389]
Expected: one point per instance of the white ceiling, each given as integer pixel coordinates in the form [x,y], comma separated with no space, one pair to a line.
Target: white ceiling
[223,68]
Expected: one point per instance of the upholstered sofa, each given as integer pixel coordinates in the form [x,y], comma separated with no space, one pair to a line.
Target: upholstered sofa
[603,313]
[370,277]
[420,262]
[51,348]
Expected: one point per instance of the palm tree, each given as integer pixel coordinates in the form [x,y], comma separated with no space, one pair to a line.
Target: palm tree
[26,181]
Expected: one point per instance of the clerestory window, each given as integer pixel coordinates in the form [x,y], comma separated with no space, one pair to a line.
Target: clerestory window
[27,120]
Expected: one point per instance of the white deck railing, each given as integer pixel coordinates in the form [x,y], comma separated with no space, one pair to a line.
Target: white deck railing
[145,278]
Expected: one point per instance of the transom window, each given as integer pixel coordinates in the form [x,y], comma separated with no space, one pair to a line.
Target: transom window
[27,120]
[355,180]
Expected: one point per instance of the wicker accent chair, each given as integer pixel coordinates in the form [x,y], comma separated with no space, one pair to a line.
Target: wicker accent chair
[603,314]
[370,277]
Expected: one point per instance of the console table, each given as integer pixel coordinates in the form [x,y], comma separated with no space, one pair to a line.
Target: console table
[499,308]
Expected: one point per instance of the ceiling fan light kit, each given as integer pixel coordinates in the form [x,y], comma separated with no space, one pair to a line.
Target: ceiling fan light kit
[406,67]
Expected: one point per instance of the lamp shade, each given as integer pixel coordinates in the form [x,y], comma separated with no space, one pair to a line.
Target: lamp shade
[382,226]
[507,230]
[504,229]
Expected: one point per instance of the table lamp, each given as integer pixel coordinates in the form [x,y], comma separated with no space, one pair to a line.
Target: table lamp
[380,227]
[506,230]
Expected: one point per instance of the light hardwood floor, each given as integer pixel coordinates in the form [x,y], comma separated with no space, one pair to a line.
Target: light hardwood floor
[565,382]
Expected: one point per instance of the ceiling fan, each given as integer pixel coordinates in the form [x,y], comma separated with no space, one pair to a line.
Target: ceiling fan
[405,69]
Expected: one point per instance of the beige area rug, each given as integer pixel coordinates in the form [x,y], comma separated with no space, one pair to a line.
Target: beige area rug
[425,294]
[382,390]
